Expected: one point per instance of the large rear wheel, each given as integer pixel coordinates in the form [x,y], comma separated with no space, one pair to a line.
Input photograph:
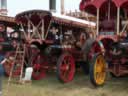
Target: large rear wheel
[65,68]
[98,70]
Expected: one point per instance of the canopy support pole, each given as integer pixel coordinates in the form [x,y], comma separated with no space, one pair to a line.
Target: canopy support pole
[42,30]
[109,8]
[97,32]
[118,20]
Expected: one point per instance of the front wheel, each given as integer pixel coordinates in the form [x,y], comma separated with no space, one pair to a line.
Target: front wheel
[65,68]
[98,70]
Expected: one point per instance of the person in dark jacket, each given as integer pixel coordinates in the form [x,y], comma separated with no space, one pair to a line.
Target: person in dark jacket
[86,49]
[1,67]
[87,45]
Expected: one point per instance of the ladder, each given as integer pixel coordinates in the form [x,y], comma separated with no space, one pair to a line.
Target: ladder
[18,58]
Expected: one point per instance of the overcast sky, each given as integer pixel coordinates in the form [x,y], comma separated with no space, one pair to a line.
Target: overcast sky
[16,6]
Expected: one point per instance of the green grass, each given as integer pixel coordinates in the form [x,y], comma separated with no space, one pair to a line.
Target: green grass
[80,86]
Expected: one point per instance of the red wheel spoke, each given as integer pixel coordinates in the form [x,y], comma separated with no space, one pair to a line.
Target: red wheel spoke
[67,68]
[39,61]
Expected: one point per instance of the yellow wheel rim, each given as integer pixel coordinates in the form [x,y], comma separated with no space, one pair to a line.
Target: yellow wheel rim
[99,70]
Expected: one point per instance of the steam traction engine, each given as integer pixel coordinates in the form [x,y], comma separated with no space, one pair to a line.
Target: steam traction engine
[50,43]
[110,47]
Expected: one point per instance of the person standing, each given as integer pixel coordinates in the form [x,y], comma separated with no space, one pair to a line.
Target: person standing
[1,68]
[85,50]
[87,45]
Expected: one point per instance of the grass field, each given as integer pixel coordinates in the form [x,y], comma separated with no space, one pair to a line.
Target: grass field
[80,86]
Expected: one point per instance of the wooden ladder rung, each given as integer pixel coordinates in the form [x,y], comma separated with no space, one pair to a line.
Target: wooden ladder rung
[20,52]
[19,56]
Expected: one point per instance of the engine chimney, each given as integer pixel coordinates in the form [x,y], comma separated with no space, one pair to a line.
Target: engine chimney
[62,7]
[52,5]
[3,7]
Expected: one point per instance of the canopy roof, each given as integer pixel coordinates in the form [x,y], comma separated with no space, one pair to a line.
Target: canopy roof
[91,5]
[120,3]
[36,16]
[9,21]
[72,20]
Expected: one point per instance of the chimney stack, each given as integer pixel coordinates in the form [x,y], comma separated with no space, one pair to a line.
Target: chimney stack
[62,7]
[52,5]
[3,7]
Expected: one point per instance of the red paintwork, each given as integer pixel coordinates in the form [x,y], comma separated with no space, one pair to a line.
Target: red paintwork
[94,50]
[8,66]
[90,6]
[114,38]
[97,4]
[38,63]
[120,3]
[118,65]
[67,68]
[48,57]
